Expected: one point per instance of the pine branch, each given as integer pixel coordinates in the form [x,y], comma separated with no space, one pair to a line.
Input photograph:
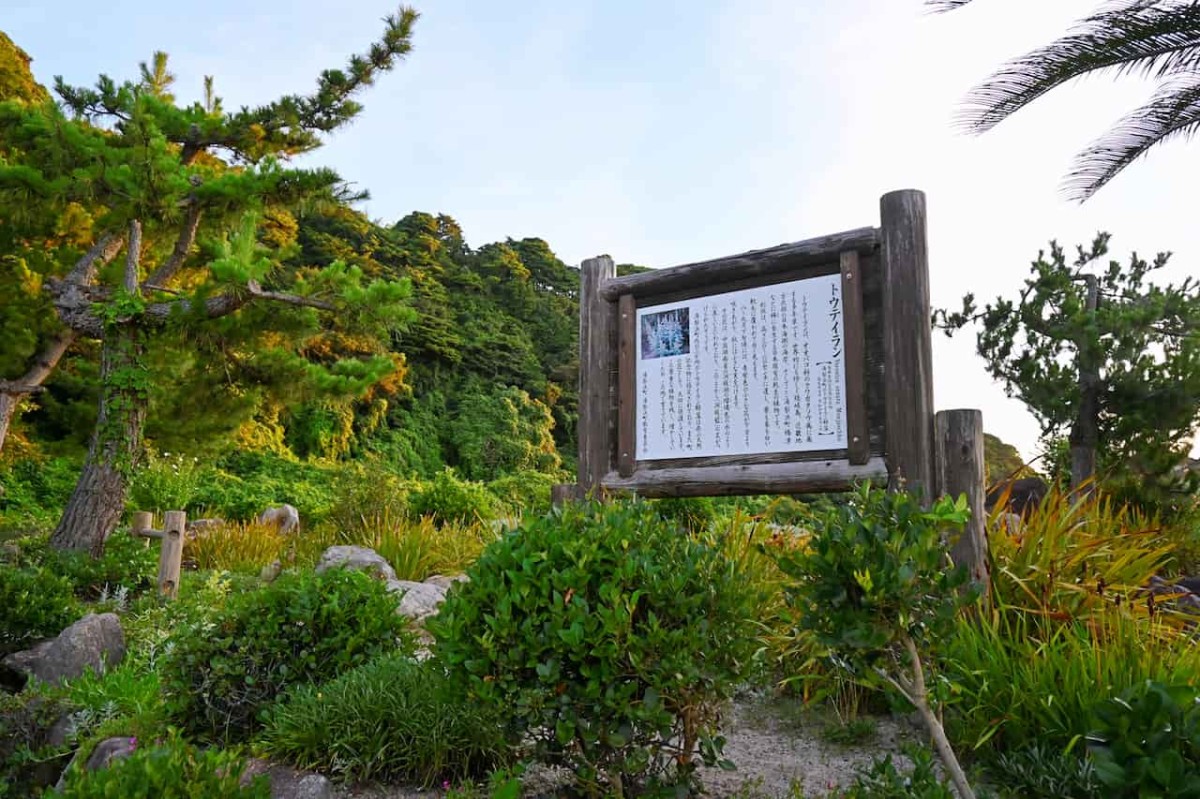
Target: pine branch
[1173,111]
[291,299]
[103,251]
[183,246]
[47,358]
[1152,39]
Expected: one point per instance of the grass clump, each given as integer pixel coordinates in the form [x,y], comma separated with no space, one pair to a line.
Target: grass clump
[392,719]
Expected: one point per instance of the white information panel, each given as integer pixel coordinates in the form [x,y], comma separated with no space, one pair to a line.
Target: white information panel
[746,372]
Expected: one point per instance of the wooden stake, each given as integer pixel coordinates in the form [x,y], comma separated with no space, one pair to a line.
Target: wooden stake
[960,470]
[597,374]
[907,343]
[170,559]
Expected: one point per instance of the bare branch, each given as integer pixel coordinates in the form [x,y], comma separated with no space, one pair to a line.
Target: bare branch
[291,299]
[183,246]
[103,251]
[212,308]
[133,256]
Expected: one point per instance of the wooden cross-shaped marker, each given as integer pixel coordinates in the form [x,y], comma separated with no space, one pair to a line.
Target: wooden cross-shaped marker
[170,558]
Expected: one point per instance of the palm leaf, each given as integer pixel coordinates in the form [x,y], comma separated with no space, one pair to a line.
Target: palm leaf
[1173,110]
[1158,39]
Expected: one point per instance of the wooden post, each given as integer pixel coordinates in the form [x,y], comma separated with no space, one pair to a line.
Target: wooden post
[907,343]
[170,558]
[960,470]
[597,374]
[141,524]
[562,493]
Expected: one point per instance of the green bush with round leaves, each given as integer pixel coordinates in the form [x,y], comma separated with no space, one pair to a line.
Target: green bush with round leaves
[303,628]
[606,639]
[36,603]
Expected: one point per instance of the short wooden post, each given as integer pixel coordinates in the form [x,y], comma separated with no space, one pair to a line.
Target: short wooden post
[597,374]
[562,493]
[907,343]
[170,559]
[960,470]
[142,521]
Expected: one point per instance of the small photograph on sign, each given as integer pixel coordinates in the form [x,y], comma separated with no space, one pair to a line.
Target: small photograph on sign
[666,334]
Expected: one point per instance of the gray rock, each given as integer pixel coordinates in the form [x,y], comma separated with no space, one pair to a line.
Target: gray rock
[444,581]
[96,641]
[418,601]
[107,751]
[288,783]
[285,517]
[361,558]
[199,527]
[271,571]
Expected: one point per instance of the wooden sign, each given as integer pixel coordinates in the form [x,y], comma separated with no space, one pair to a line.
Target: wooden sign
[800,368]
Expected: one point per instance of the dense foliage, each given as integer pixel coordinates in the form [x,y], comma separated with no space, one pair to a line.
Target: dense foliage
[393,719]
[37,604]
[171,769]
[1101,353]
[604,638]
[303,628]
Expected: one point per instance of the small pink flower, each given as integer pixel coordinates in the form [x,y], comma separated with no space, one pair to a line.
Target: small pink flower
[133,743]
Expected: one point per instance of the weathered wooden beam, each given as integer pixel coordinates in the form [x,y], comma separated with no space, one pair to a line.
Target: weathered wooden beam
[597,373]
[908,346]
[755,263]
[960,470]
[858,437]
[170,559]
[627,343]
[761,478]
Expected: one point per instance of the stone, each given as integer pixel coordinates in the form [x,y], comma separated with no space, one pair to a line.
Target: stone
[1024,495]
[96,641]
[287,782]
[444,581]
[365,559]
[105,753]
[418,601]
[285,517]
[271,571]
[199,527]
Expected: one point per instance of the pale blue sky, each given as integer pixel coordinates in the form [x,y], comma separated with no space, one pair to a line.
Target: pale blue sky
[664,132]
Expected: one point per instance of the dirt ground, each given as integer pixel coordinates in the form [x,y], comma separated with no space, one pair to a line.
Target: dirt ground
[776,744]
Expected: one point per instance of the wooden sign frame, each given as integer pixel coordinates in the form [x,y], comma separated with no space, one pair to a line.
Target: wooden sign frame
[887,348]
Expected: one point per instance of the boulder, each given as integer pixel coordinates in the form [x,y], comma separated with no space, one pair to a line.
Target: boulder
[96,641]
[444,581]
[199,527]
[271,571]
[418,601]
[362,558]
[285,517]
[287,782]
[1023,495]
[107,751]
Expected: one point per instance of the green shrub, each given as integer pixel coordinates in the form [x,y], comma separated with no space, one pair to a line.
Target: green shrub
[171,770]
[524,493]
[693,514]
[302,628]
[884,781]
[873,587]
[1043,772]
[27,760]
[1146,742]
[362,493]
[165,482]
[35,491]
[390,720]
[37,604]
[605,638]
[446,498]
[127,563]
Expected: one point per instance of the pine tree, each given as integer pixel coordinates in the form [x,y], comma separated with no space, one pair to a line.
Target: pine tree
[186,194]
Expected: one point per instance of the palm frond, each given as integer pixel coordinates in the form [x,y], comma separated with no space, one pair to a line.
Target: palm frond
[940,6]
[1173,110]
[1160,39]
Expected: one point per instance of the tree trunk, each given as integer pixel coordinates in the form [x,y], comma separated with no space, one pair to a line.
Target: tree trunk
[43,365]
[1085,432]
[96,504]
